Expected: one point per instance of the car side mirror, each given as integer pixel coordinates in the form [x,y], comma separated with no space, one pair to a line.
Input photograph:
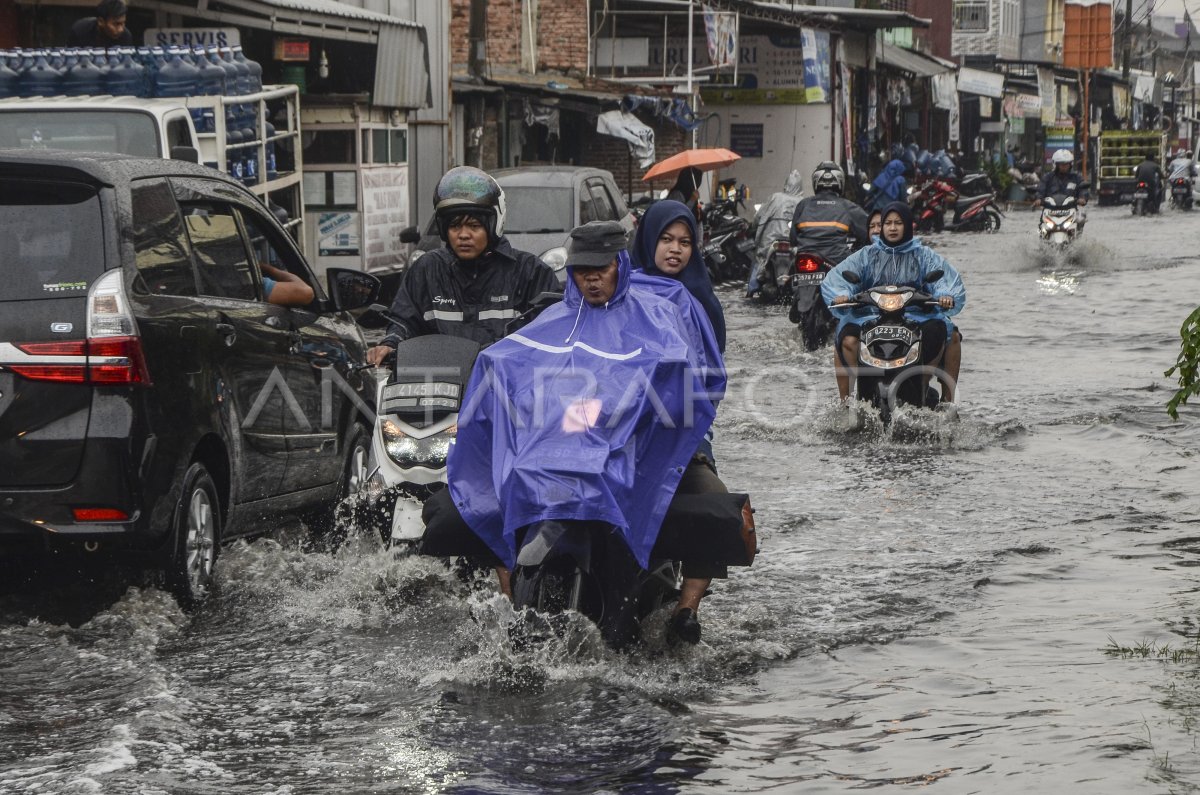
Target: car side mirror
[351,289]
[410,234]
[188,153]
[852,277]
[933,276]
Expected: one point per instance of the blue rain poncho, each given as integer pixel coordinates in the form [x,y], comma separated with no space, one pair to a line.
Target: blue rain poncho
[904,264]
[589,413]
[889,185]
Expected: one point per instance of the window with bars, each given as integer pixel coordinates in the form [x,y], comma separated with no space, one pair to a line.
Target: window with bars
[971,16]
[1010,18]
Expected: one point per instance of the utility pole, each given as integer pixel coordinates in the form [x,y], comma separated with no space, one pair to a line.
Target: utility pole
[1125,40]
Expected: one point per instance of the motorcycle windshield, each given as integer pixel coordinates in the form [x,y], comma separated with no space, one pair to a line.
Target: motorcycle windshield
[588,413]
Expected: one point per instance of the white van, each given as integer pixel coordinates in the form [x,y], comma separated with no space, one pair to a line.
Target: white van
[123,125]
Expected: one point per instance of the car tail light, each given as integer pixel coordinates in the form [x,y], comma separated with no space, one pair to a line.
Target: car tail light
[100,515]
[807,265]
[1141,184]
[111,355]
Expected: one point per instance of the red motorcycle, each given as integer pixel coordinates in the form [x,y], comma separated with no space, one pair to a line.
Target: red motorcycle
[929,203]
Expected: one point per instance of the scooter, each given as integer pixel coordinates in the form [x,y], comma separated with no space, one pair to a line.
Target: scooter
[1181,193]
[775,274]
[975,214]
[929,204]
[808,307]
[417,402]
[1144,199]
[890,372]
[1060,222]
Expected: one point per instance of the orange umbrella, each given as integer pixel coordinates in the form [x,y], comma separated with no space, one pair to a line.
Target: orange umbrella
[703,159]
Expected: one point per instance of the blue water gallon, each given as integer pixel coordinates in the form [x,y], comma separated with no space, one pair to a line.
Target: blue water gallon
[272,173]
[127,77]
[62,58]
[175,78]
[243,71]
[41,79]
[255,68]
[235,164]
[85,78]
[211,83]
[10,79]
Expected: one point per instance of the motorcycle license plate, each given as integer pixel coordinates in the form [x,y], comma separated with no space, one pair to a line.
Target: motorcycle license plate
[1141,194]
[808,278]
[1179,190]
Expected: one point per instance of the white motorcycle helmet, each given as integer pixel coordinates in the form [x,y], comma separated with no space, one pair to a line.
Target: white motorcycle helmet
[468,191]
[1063,156]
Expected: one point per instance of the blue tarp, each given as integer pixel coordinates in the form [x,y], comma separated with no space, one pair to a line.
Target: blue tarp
[589,412]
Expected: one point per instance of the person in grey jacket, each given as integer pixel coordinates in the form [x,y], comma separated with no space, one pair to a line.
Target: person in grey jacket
[773,222]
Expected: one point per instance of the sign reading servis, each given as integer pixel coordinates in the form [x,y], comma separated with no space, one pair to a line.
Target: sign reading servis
[192,37]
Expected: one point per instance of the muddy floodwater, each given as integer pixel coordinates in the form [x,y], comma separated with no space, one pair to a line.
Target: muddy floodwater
[1003,604]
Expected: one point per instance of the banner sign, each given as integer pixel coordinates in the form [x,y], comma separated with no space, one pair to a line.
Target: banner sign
[815,46]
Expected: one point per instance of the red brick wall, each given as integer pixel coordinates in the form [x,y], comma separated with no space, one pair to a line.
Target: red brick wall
[562,34]
[609,152]
[503,32]
[561,28]
[938,34]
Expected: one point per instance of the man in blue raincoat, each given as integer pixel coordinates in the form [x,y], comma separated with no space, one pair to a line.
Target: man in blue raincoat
[591,412]
[896,257]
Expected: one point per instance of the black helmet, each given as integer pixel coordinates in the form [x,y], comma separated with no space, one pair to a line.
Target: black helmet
[828,176]
[469,191]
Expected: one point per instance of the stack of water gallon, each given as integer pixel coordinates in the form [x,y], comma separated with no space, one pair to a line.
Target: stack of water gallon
[154,72]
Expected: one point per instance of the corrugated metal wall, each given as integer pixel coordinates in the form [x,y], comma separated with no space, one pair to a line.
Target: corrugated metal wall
[402,68]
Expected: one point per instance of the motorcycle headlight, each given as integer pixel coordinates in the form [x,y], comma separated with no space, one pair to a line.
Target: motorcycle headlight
[891,302]
[556,258]
[408,451]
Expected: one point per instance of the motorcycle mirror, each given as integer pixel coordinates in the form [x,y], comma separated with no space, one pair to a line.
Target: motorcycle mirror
[852,277]
[1085,186]
[933,276]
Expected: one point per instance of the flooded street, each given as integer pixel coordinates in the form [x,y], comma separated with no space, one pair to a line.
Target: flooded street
[1007,603]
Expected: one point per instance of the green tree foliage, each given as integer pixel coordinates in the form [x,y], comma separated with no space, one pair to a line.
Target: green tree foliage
[1188,364]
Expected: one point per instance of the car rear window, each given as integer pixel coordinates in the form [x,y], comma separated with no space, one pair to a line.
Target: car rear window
[531,210]
[51,239]
[126,132]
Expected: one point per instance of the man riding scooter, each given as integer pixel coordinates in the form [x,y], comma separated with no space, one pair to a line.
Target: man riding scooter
[1148,171]
[1064,179]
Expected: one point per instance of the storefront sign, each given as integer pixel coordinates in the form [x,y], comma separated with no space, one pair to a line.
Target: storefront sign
[192,37]
[292,50]
[1059,137]
[1048,89]
[976,81]
[746,139]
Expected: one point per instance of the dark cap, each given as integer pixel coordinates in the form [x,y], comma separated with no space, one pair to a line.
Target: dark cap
[596,244]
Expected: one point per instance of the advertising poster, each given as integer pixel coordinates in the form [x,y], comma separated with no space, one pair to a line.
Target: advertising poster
[815,47]
[1059,136]
[337,235]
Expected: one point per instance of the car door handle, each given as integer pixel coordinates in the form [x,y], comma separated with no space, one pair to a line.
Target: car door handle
[227,331]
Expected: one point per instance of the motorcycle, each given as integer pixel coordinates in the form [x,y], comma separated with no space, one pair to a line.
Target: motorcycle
[975,208]
[417,402]
[1060,222]
[890,372]
[1181,193]
[586,567]
[726,229]
[1144,199]
[775,282]
[929,202]
[808,307]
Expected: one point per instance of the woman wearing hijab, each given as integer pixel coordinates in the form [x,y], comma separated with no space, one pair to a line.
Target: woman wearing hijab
[896,257]
[666,254]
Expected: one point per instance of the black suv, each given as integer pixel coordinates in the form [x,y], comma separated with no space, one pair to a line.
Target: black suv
[152,404]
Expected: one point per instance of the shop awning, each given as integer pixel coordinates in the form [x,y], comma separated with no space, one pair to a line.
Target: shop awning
[402,62]
[912,62]
[819,16]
